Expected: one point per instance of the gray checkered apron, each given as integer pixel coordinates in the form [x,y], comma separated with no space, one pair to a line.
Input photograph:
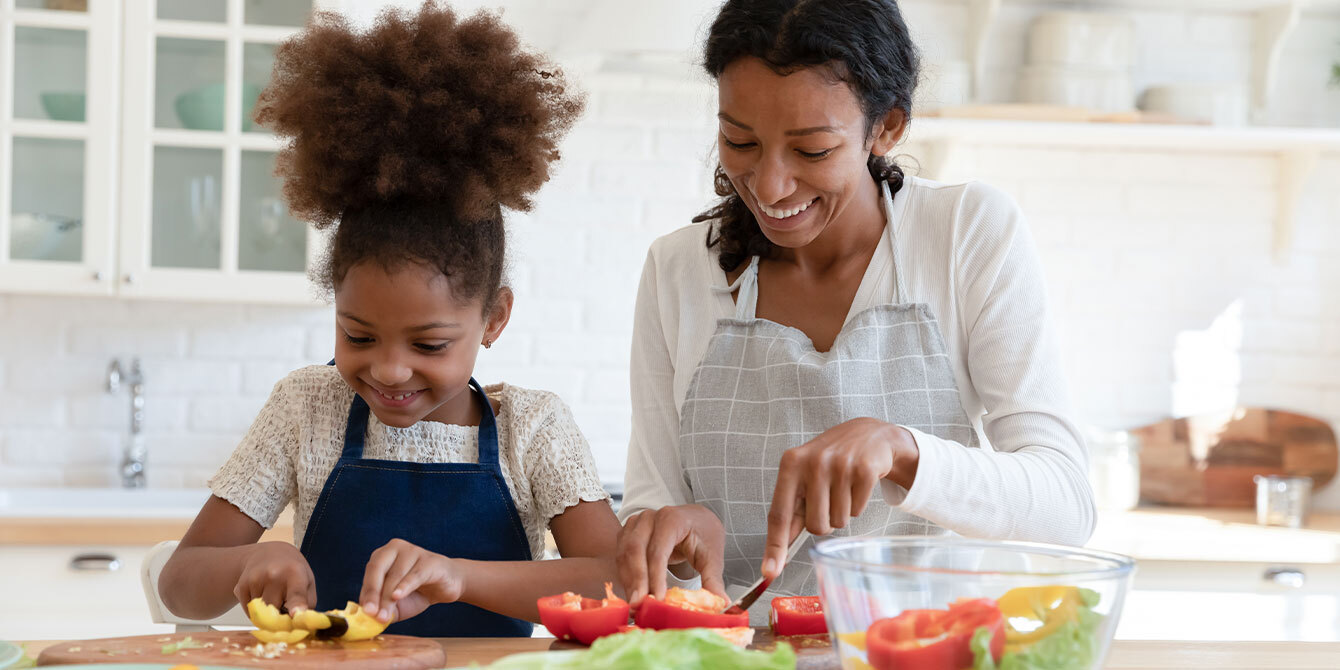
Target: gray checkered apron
[762,388]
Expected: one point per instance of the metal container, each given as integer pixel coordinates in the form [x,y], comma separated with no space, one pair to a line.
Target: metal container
[1282,500]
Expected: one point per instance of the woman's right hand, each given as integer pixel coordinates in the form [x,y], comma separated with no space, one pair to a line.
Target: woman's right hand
[653,540]
[279,574]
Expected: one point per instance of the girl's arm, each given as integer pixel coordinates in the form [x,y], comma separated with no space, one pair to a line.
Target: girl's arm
[403,579]
[219,564]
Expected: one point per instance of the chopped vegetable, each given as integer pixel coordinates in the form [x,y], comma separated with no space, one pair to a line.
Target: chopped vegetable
[348,625]
[935,639]
[287,636]
[682,608]
[570,616]
[1075,643]
[656,650]
[184,643]
[800,615]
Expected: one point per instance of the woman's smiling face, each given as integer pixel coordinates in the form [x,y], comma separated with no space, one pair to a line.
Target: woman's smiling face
[407,345]
[795,147]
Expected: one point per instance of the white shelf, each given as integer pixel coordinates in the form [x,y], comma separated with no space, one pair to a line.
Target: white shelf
[1221,6]
[1132,135]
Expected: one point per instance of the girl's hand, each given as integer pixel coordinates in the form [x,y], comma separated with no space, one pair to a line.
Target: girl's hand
[826,481]
[403,579]
[278,573]
[653,540]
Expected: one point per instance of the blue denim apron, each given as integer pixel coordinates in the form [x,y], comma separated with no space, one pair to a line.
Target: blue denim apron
[461,510]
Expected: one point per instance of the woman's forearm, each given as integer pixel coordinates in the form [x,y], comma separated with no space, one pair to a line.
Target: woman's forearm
[198,582]
[512,587]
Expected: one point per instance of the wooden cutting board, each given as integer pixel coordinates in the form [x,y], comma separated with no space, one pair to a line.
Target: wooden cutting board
[1209,460]
[812,652]
[228,648]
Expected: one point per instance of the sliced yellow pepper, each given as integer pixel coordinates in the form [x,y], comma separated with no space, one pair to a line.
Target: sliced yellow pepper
[267,617]
[856,639]
[362,626]
[1045,608]
[289,636]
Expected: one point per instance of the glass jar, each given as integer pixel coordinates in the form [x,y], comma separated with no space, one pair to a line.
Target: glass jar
[1114,468]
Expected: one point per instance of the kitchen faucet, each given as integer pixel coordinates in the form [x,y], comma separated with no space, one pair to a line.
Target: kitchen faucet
[132,459]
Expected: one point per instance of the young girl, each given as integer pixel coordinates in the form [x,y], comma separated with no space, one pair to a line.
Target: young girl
[415,491]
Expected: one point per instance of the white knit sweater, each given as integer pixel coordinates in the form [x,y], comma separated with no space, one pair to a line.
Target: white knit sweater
[965,250]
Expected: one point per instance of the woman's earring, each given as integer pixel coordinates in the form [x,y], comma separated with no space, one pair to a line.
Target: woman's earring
[488,343]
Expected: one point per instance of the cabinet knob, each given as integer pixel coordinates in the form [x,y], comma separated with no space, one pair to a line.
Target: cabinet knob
[99,562]
[130,277]
[98,276]
[1292,578]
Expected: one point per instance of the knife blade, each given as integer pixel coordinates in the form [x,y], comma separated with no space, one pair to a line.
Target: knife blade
[751,595]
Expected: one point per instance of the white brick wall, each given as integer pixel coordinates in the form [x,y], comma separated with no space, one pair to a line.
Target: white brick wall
[1159,265]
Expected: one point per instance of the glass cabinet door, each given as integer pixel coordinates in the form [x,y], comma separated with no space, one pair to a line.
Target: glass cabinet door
[214,223]
[59,66]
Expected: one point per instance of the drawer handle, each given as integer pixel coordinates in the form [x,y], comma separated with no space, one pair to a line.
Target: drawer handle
[101,562]
[1287,577]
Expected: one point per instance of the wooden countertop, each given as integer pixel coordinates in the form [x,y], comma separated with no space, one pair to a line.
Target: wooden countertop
[1215,534]
[1125,654]
[19,531]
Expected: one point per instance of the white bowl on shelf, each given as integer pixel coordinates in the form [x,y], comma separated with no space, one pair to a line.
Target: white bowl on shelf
[1083,39]
[1096,89]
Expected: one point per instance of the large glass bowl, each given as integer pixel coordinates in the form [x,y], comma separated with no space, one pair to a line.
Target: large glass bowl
[1058,605]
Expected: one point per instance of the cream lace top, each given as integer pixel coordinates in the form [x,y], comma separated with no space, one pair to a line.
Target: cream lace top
[293,445]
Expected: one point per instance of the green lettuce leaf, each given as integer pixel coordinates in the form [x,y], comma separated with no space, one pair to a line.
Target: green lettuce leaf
[687,649]
[1074,646]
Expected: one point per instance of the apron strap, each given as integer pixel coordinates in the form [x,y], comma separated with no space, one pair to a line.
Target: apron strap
[899,289]
[355,431]
[746,304]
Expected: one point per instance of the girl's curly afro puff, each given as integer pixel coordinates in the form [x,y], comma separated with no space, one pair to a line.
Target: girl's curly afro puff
[426,124]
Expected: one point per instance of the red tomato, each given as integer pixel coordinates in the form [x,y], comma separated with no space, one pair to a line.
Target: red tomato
[570,616]
[800,615]
[934,639]
[679,611]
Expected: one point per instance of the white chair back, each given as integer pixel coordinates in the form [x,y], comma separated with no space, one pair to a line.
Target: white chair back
[153,567]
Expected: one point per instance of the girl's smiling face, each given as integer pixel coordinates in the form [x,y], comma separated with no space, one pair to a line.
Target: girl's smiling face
[796,146]
[407,344]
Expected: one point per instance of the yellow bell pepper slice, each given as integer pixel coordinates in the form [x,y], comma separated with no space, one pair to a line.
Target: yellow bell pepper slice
[289,636]
[1032,613]
[362,626]
[267,617]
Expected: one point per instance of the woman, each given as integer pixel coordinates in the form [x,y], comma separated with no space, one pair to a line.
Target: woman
[832,325]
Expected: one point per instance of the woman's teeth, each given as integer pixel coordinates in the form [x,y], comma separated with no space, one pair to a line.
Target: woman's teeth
[784,213]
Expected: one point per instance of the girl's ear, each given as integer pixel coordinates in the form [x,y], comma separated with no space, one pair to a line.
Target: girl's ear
[888,132]
[498,316]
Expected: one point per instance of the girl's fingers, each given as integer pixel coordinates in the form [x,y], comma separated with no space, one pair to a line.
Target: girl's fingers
[296,598]
[373,576]
[274,593]
[402,566]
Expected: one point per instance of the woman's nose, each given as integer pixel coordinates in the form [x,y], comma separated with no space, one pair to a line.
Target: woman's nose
[773,181]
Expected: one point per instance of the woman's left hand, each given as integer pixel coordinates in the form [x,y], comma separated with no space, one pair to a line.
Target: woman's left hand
[403,579]
[828,480]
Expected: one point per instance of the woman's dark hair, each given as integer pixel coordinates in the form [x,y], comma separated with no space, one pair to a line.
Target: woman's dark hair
[864,43]
[410,138]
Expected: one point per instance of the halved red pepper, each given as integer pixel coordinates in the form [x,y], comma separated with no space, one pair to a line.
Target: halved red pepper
[682,608]
[934,639]
[570,616]
[798,615]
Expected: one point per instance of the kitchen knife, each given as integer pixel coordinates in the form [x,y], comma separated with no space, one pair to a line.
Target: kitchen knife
[745,601]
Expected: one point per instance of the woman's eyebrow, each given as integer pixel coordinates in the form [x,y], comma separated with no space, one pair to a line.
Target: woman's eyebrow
[791,133]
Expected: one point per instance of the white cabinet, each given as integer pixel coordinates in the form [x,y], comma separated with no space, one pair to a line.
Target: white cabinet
[130,165]
[1203,600]
[49,598]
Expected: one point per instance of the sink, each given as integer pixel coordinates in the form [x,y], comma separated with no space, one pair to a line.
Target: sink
[102,502]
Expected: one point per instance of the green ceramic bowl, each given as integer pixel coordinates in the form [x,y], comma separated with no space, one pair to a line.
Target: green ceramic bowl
[64,106]
[202,108]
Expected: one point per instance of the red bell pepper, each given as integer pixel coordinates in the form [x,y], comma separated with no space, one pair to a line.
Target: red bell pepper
[688,609]
[799,615]
[570,616]
[934,639]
